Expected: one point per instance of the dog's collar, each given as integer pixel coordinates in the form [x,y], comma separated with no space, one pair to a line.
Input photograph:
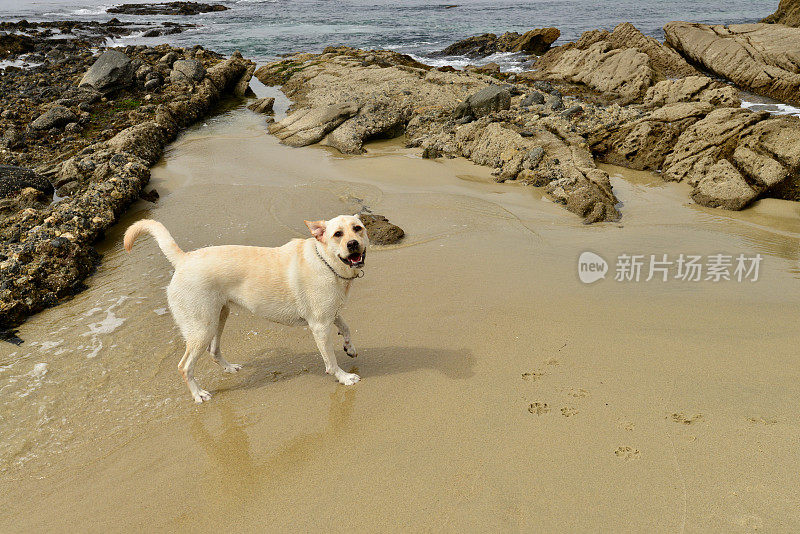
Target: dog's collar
[328,265]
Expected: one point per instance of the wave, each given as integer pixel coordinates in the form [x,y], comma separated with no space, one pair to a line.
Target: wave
[775,108]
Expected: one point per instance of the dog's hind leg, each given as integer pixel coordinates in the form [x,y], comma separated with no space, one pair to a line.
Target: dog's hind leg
[322,335]
[214,347]
[196,315]
[195,346]
[344,331]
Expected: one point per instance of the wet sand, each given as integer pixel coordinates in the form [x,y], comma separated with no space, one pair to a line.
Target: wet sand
[498,392]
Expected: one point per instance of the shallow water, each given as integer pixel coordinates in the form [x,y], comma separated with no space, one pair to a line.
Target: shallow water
[498,391]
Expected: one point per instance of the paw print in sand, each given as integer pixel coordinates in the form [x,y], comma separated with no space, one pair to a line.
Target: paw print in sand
[539,408]
[627,453]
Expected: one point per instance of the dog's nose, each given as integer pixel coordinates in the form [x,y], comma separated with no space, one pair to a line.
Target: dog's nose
[352,245]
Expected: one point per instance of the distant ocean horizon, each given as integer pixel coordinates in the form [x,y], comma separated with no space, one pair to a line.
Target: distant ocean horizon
[263,30]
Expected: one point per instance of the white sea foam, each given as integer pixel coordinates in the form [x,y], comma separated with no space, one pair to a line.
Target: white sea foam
[21,63]
[775,108]
[39,370]
[108,324]
[508,61]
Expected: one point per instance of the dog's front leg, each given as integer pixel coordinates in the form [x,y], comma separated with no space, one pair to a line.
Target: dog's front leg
[322,335]
[344,331]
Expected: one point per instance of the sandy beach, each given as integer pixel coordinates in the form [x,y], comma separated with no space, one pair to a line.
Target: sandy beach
[498,392]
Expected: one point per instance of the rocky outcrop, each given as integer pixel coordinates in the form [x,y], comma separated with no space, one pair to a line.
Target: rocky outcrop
[761,58]
[728,155]
[14,44]
[622,64]
[345,97]
[167,8]
[788,14]
[688,128]
[536,41]
[547,155]
[46,250]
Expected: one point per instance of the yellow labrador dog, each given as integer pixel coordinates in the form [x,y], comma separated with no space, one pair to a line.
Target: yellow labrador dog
[304,282]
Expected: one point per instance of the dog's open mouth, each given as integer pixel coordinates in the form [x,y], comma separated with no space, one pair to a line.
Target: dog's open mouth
[356,259]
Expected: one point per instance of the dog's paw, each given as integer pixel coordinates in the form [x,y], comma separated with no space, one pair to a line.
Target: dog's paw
[348,379]
[232,368]
[202,395]
[350,350]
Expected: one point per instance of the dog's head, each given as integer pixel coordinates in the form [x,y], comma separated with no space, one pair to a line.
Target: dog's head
[344,237]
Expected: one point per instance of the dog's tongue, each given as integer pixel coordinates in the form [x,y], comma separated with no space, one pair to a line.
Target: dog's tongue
[354,258]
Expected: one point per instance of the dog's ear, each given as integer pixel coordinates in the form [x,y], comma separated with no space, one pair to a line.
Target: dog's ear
[317,228]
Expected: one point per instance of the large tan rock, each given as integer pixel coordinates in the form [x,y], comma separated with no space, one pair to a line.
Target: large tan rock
[663,59]
[644,144]
[703,143]
[621,64]
[762,58]
[620,72]
[723,187]
[310,125]
[692,89]
[382,90]
[788,14]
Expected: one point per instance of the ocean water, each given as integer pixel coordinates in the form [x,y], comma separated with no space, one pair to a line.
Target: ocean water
[264,29]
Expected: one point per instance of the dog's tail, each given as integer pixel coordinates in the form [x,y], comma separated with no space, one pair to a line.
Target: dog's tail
[168,245]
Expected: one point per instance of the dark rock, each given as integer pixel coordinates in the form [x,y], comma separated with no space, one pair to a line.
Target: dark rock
[14,179]
[533,98]
[379,230]
[150,196]
[788,14]
[13,138]
[488,100]
[555,103]
[167,8]
[55,117]
[535,41]
[169,58]
[535,157]
[572,112]
[262,105]
[112,70]
[14,44]
[187,71]
[431,153]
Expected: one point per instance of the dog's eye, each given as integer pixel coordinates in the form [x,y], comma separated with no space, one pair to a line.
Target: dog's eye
[357,228]
[338,233]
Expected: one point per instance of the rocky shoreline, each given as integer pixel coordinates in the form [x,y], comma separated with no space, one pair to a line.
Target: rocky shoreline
[80,130]
[88,128]
[615,97]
